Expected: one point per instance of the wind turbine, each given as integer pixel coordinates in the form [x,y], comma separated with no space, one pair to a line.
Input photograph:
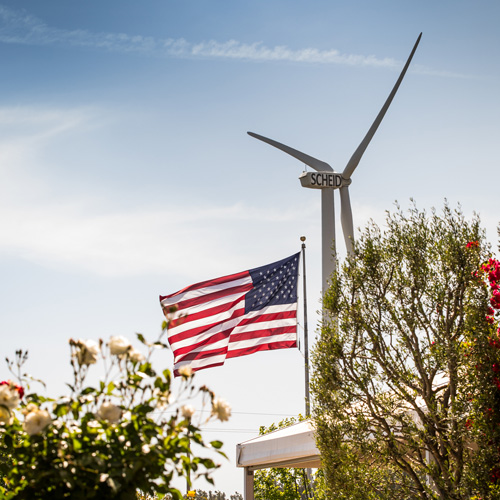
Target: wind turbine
[327,180]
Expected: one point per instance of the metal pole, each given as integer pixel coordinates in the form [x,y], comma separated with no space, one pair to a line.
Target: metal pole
[306,335]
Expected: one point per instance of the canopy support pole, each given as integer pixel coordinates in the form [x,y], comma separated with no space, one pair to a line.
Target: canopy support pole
[248,489]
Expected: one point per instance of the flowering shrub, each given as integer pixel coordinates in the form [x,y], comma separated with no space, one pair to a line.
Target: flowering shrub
[127,432]
[482,348]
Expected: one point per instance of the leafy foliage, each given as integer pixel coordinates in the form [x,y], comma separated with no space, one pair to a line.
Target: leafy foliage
[393,388]
[216,495]
[103,441]
[199,495]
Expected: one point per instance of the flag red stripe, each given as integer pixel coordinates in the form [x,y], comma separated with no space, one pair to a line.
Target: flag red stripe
[268,317]
[263,347]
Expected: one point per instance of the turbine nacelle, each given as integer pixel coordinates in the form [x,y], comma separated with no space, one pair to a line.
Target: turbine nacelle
[323,180]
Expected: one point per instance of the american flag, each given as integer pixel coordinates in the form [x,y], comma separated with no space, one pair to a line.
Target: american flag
[233,316]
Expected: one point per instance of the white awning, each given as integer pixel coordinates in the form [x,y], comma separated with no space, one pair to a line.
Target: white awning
[293,446]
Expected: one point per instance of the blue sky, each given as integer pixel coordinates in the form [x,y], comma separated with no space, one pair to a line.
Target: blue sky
[126,171]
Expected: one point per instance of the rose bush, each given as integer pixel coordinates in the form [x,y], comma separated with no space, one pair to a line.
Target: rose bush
[108,440]
[482,349]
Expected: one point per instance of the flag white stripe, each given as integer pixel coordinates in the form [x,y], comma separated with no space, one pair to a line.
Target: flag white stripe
[265,325]
[199,292]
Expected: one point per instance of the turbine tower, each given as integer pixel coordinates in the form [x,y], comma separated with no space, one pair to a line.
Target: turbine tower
[326,179]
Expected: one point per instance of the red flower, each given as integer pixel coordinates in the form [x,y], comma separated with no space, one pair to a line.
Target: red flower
[493,343]
[472,244]
[468,423]
[495,474]
[493,270]
[18,388]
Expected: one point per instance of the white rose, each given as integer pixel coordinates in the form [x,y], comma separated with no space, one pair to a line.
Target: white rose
[185,371]
[36,421]
[88,352]
[5,415]
[187,411]
[221,409]
[163,399]
[9,396]
[29,408]
[109,412]
[136,356]
[145,449]
[119,345]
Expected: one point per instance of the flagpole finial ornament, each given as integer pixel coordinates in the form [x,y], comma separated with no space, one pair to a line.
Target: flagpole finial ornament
[302,238]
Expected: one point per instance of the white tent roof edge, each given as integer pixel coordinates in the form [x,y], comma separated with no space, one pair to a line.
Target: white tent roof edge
[293,446]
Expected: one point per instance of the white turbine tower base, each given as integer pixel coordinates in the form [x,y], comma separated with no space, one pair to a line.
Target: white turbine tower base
[328,180]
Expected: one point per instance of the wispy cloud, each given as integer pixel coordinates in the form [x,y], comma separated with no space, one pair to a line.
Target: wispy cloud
[68,236]
[44,224]
[19,27]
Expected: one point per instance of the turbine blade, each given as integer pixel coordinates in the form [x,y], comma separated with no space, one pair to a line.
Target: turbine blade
[318,165]
[346,218]
[356,157]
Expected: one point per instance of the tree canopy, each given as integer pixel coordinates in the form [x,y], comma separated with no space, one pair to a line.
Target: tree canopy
[395,381]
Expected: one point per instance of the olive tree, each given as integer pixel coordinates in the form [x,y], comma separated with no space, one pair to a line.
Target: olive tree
[392,375]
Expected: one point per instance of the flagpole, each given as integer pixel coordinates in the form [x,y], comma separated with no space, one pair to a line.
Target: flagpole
[306,338]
